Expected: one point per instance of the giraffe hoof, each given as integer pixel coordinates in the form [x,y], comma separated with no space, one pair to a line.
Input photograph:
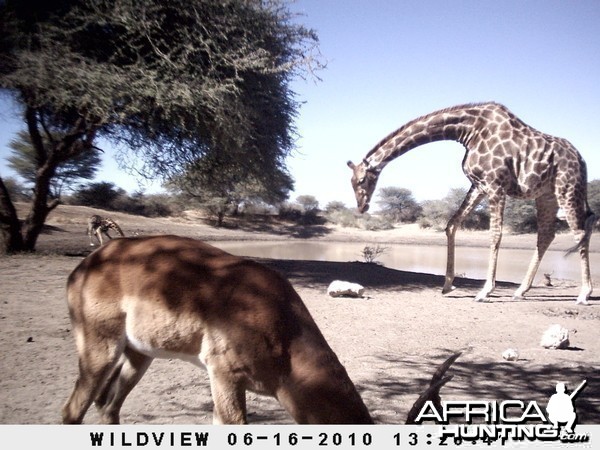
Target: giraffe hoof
[582,301]
[448,290]
[482,298]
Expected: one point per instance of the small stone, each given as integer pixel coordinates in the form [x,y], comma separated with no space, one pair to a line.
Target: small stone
[555,337]
[510,354]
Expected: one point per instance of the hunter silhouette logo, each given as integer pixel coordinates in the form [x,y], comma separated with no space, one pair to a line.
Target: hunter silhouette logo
[507,420]
[560,406]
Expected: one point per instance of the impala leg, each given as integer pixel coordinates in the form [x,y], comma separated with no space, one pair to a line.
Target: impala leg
[229,397]
[471,200]
[547,207]
[95,364]
[127,373]
[497,212]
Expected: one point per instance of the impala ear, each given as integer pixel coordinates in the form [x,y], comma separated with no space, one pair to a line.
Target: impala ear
[351,165]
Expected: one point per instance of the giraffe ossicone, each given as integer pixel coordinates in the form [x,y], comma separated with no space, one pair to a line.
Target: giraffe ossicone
[504,157]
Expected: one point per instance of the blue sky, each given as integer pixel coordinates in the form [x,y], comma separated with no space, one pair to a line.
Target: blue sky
[390,61]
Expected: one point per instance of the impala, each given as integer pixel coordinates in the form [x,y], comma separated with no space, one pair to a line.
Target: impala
[136,299]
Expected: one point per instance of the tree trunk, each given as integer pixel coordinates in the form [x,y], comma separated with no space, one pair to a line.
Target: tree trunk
[11,240]
[14,236]
[40,208]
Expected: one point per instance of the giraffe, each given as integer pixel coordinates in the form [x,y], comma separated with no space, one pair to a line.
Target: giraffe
[504,157]
[97,226]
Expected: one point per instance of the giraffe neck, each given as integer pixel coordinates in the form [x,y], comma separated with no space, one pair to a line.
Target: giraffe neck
[454,124]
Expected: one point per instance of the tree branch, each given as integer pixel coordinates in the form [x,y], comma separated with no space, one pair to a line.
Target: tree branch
[35,136]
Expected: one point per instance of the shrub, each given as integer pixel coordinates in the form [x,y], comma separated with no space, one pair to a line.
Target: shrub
[371,253]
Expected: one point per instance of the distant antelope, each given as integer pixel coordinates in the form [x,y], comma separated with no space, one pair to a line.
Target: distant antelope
[97,226]
[136,299]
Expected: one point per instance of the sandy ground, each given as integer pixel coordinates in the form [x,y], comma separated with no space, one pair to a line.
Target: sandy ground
[390,341]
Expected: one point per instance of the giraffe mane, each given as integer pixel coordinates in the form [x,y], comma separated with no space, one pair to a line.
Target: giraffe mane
[383,141]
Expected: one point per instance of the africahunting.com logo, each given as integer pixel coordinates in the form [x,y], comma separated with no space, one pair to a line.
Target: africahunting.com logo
[509,420]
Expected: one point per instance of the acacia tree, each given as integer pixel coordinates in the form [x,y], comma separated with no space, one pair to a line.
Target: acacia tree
[398,204]
[24,161]
[221,184]
[166,82]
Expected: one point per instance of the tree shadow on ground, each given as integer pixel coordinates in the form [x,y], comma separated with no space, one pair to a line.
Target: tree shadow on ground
[390,398]
[367,274]
[50,229]
[489,381]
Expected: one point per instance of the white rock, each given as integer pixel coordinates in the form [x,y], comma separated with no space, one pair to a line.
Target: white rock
[340,288]
[555,337]
[510,354]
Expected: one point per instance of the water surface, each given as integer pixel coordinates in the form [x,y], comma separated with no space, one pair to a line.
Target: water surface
[471,262]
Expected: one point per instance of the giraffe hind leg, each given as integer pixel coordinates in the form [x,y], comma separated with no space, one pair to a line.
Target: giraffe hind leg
[547,207]
[581,223]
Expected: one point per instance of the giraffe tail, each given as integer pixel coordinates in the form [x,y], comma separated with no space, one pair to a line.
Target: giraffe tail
[590,222]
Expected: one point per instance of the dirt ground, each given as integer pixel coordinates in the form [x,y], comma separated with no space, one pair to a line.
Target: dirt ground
[390,341]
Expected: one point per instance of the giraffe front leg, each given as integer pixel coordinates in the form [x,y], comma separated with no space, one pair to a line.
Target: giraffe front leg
[497,211]
[449,278]
[470,201]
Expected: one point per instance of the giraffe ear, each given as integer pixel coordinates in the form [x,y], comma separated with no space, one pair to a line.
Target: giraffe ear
[351,165]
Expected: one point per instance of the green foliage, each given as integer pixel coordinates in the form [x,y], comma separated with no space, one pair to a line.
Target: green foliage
[593,194]
[155,205]
[17,191]
[105,195]
[437,213]
[168,79]
[307,203]
[167,82]
[520,216]
[370,253]
[398,204]
[334,205]
[97,195]
[351,218]
[222,185]
[23,160]
[302,212]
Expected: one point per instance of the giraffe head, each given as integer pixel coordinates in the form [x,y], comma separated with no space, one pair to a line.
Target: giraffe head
[364,179]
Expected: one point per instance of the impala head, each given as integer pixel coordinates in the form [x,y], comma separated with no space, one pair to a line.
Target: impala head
[364,179]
